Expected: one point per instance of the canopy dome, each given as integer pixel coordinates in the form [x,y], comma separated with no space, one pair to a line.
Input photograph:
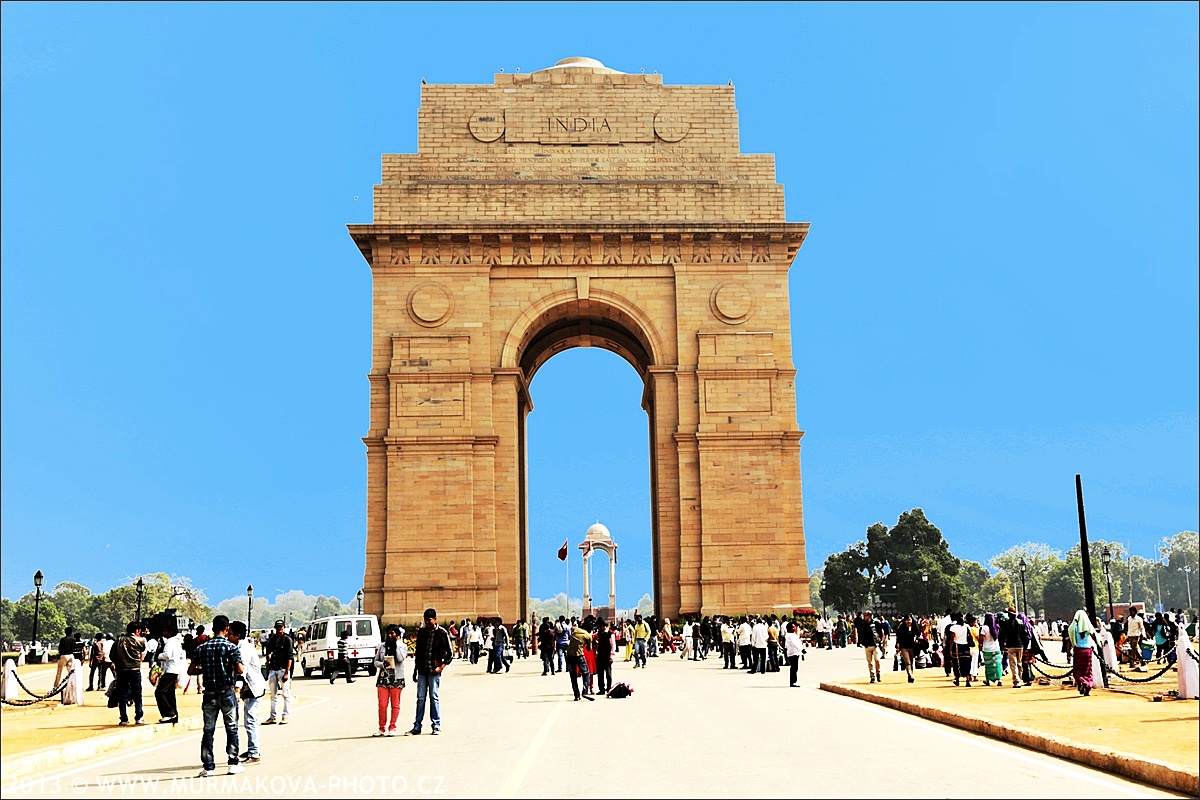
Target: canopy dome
[582,62]
[597,531]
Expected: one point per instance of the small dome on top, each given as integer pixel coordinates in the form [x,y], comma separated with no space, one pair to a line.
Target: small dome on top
[597,531]
[582,62]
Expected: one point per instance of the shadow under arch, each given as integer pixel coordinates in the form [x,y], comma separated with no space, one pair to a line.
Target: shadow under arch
[563,320]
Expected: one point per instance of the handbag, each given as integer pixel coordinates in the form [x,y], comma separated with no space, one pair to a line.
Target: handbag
[155,671]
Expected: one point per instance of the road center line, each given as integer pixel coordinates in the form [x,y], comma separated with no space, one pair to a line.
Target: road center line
[513,782]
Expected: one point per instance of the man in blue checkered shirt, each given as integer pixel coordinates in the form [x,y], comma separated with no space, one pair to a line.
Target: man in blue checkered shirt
[220,662]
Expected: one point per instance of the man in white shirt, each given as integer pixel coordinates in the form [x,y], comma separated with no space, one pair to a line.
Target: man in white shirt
[758,644]
[253,687]
[174,665]
[727,637]
[743,643]
[1135,629]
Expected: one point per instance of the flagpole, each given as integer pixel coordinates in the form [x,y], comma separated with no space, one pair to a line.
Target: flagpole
[567,564]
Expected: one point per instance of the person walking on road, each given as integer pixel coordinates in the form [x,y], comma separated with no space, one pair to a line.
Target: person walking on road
[546,645]
[908,632]
[254,686]
[280,660]
[389,678]
[98,658]
[343,658]
[219,662]
[1081,634]
[866,636]
[641,633]
[793,647]
[174,668]
[126,656]
[580,642]
[432,656]
[1014,640]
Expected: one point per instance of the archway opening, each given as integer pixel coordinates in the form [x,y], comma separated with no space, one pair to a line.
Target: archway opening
[588,459]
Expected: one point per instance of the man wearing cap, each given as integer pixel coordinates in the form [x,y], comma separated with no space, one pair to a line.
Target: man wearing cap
[279,666]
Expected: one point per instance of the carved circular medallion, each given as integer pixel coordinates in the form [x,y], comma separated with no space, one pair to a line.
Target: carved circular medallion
[671,127]
[487,126]
[430,305]
[732,303]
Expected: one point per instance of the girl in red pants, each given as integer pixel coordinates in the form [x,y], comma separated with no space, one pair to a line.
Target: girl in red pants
[389,678]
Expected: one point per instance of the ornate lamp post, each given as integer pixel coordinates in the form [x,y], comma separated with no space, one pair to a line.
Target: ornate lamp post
[249,604]
[141,590]
[37,601]
[360,597]
[925,582]
[1024,595]
[314,610]
[1106,559]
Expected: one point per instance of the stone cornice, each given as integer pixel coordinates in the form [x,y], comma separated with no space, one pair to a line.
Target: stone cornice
[582,243]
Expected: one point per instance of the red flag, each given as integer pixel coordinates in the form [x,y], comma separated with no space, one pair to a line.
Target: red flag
[562,552]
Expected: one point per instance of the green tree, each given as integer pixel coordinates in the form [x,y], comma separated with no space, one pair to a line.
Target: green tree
[1180,572]
[1040,560]
[75,602]
[847,585]
[995,594]
[8,631]
[913,547]
[51,622]
[974,575]
[815,579]
[1141,575]
[1063,595]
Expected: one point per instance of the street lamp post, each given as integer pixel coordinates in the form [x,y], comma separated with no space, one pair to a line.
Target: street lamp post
[1187,577]
[37,601]
[1158,577]
[925,582]
[1106,559]
[141,590]
[314,610]
[1021,565]
[360,597]
[249,604]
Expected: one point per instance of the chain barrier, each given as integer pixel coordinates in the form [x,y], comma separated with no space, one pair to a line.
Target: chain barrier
[1192,653]
[37,698]
[1047,674]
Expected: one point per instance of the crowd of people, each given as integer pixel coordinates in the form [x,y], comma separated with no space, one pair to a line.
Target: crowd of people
[234,671]
[1004,646]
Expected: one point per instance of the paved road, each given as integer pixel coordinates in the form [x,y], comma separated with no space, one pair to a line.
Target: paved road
[691,729]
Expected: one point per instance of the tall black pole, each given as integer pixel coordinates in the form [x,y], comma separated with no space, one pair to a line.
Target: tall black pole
[1089,591]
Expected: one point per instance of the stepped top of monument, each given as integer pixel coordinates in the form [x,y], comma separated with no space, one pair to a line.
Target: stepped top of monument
[577,141]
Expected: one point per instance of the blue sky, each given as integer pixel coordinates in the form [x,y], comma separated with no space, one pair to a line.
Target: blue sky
[999,290]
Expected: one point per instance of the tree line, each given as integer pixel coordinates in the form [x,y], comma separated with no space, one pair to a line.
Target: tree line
[909,567]
[72,604]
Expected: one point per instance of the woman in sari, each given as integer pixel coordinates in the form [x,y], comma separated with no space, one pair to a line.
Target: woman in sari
[1082,633]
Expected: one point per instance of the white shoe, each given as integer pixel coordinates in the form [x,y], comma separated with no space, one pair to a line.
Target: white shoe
[392,732]
[207,773]
[377,733]
[234,769]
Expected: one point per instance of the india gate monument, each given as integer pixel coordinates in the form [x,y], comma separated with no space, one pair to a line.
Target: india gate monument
[579,206]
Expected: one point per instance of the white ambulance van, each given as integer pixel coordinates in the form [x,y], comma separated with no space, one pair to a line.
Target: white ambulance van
[320,649]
